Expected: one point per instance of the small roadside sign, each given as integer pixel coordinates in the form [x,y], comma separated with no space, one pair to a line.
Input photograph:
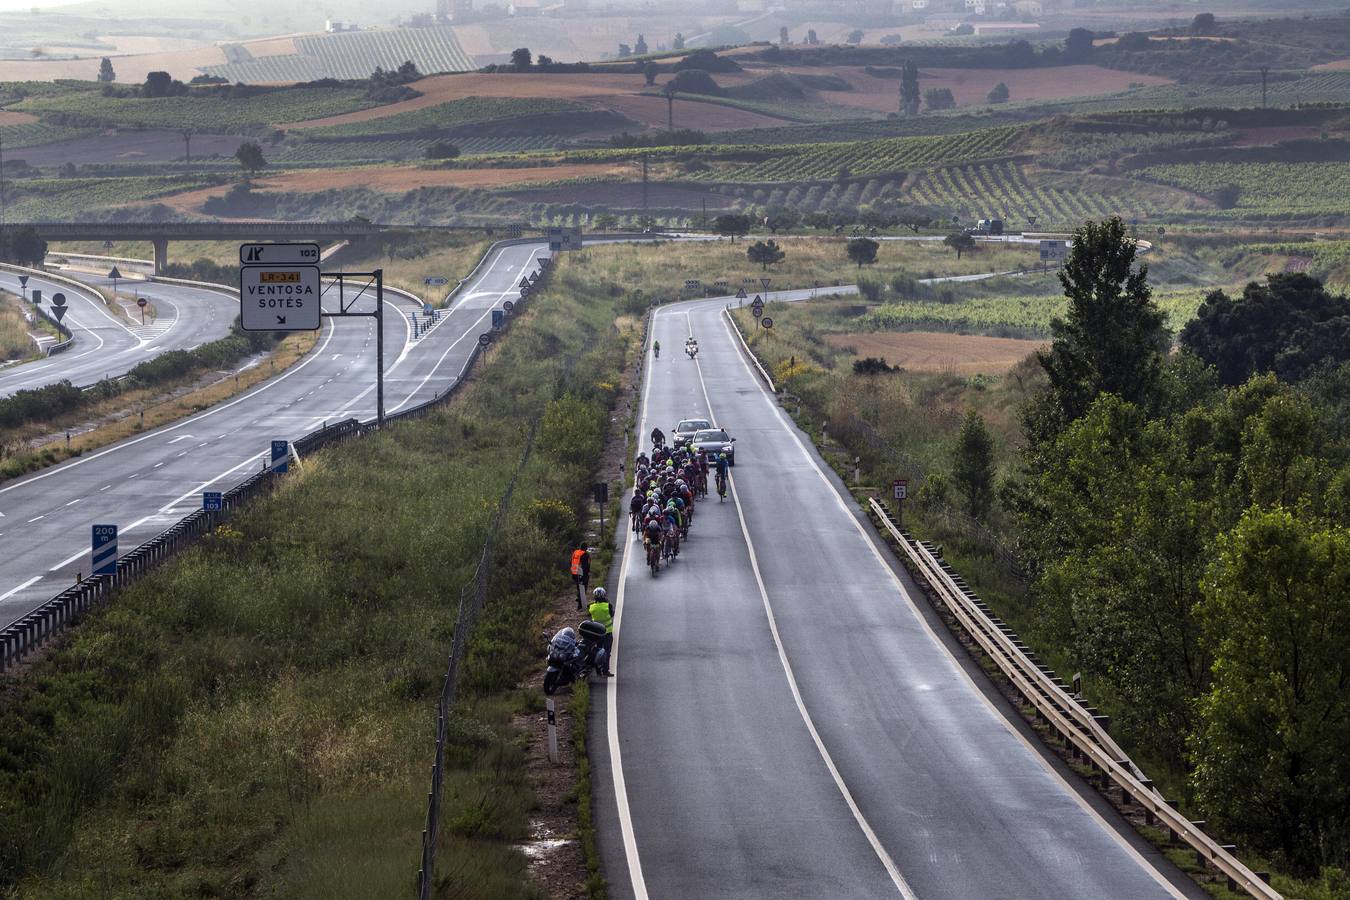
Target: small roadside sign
[279,298]
[534,276]
[23,281]
[436,281]
[1054,251]
[212,501]
[900,488]
[58,305]
[766,322]
[515,230]
[37,296]
[281,452]
[278,254]
[114,274]
[601,492]
[740,294]
[524,282]
[692,284]
[105,549]
[484,339]
[765,283]
[427,309]
[498,318]
[508,305]
[142,303]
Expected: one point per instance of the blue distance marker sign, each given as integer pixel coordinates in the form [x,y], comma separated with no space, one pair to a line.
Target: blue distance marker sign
[212,501]
[105,549]
[498,318]
[281,451]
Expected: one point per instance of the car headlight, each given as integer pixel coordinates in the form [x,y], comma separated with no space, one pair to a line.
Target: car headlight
[727,449]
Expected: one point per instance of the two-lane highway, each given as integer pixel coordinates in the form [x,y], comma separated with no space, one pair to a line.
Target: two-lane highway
[106,345]
[787,722]
[145,483]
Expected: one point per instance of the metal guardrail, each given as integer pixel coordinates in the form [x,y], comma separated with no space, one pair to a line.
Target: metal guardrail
[748,352]
[1079,727]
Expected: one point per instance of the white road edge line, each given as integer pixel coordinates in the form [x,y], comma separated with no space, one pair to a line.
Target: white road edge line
[1035,753]
[891,868]
[12,591]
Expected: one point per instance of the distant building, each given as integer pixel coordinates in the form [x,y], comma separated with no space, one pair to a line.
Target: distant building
[918,4]
[453,10]
[525,7]
[1028,7]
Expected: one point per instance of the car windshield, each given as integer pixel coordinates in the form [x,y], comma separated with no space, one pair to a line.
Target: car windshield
[692,425]
[711,436]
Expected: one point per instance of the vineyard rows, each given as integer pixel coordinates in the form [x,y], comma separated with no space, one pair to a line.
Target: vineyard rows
[468,111]
[80,199]
[822,162]
[34,134]
[404,149]
[808,198]
[355,55]
[212,113]
[1267,188]
[1009,316]
[1003,189]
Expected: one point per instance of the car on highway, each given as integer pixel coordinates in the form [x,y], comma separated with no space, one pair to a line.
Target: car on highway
[715,440]
[687,428]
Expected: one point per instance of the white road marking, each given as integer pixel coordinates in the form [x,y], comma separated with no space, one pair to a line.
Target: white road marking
[12,591]
[891,869]
[105,487]
[1082,803]
[181,437]
[67,561]
[73,502]
[35,518]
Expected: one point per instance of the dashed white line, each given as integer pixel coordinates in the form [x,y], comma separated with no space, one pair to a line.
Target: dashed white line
[35,518]
[73,502]
[12,591]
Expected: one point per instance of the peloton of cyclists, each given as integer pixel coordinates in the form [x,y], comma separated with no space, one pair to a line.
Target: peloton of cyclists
[668,483]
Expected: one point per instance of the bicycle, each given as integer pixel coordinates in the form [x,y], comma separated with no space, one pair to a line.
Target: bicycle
[653,557]
[721,487]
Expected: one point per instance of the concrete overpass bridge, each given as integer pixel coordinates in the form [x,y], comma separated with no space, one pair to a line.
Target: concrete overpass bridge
[159,234]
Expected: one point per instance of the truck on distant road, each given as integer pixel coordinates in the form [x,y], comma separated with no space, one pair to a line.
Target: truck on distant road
[986,226]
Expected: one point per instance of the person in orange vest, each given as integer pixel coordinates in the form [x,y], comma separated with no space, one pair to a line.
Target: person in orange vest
[581,573]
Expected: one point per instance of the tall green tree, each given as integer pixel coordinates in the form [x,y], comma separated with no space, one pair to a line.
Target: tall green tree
[521,59]
[105,71]
[1113,339]
[732,225]
[766,253]
[909,88]
[863,251]
[1273,749]
[973,465]
[250,156]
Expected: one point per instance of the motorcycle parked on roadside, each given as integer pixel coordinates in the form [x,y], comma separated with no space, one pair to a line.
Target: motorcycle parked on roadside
[572,658]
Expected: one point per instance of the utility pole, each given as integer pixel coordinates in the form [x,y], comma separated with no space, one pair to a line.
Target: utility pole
[670,110]
[1265,70]
[644,185]
[187,143]
[2,182]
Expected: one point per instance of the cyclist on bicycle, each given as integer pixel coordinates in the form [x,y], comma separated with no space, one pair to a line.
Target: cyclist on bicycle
[656,348]
[658,438]
[635,507]
[722,468]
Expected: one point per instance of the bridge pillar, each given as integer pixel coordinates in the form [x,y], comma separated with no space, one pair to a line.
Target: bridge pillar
[161,253]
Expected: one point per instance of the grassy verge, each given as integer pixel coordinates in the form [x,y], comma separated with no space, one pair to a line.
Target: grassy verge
[105,421]
[255,719]
[15,344]
[661,269]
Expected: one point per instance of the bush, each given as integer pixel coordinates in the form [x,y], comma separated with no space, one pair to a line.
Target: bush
[873,365]
[693,81]
[441,150]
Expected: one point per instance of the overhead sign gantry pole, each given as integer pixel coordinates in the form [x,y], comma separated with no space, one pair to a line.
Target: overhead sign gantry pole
[281,289]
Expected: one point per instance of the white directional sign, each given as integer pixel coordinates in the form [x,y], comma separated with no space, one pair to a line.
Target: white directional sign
[279,298]
[560,239]
[277,254]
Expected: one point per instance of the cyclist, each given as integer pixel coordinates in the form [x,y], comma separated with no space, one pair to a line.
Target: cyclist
[653,535]
[658,438]
[601,610]
[635,507]
[656,348]
[722,468]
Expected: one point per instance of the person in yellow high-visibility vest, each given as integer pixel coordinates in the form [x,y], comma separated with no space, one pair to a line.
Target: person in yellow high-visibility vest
[602,611]
[581,572]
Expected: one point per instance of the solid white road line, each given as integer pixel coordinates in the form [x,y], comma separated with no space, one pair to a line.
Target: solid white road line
[12,591]
[891,868]
[1035,753]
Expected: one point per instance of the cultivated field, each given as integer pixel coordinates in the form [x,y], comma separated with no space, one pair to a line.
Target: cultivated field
[933,351]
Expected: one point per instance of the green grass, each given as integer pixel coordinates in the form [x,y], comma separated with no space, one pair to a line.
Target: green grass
[15,344]
[33,134]
[255,718]
[457,113]
[206,112]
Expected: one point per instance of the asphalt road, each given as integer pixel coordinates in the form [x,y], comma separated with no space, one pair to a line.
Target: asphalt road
[106,345]
[786,720]
[146,483]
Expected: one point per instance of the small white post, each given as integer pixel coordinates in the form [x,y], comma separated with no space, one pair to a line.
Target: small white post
[552,731]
